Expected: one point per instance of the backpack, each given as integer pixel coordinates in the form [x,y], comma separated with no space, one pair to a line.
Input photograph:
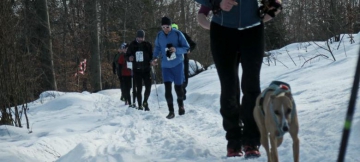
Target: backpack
[115,60]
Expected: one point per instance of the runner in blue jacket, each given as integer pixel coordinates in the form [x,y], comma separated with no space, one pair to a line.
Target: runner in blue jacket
[170,47]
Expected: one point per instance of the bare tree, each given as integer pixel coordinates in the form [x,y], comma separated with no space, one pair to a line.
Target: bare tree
[92,26]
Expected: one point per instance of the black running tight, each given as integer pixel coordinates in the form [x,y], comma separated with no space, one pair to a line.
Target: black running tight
[169,97]
[228,46]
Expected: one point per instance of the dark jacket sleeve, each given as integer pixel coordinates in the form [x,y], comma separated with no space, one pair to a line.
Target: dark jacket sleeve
[192,44]
[150,48]
[114,65]
[121,64]
[129,51]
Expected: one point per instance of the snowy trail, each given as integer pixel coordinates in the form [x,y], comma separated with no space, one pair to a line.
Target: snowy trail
[98,127]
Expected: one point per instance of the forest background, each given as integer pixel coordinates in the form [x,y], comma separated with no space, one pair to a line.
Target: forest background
[42,42]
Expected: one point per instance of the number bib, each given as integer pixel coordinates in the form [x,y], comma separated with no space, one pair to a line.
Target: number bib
[172,56]
[129,65]
[139,56]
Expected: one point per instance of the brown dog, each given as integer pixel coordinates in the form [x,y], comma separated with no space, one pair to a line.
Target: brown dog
[275,114]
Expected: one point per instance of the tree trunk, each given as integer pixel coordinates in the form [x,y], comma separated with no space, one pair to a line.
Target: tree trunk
[45,46]
[92,27]
[183,15]
[64,49]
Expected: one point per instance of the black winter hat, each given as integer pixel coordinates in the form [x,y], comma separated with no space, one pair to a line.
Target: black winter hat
[140,34]
[165,21]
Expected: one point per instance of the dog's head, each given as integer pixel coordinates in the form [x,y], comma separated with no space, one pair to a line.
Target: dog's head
[282,106]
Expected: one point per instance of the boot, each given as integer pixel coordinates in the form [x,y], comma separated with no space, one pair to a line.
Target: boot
[234,148]
[146,106]
[181,110]
[170,115]
[180,102]
[171,111]
[132,106]
[251,151]
[233,153]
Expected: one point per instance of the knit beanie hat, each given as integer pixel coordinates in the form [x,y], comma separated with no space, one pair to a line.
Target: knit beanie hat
[165,21]
[140,34]
[123,45]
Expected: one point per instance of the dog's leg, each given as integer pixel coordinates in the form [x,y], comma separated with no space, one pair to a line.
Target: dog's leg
[296,147]
[274,152]
[294,130]
[265,142]
[279,141]
[260,122]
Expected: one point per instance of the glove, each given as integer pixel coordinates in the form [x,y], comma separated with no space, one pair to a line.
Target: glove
[168,52]
[269,7]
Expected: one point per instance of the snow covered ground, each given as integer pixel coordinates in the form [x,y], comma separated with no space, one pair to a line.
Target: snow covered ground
[98,127]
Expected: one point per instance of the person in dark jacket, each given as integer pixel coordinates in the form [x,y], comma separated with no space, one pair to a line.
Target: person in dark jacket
[186,56]
[170,46]
[237,33]
[140,53]
[117,68]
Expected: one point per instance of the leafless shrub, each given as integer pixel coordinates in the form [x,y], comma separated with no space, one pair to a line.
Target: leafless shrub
[319,55]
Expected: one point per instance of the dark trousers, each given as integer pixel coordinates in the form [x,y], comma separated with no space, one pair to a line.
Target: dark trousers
[133,89]
[169,97]
[186,72]
[228,46]
[127,88]
[139,77]
[121,86]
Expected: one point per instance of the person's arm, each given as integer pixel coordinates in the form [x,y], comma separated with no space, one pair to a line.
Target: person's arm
[209,4]
[157,49]
[192,44]
[114,68]
[203,21]
[213,5]
[156,52]
[129,56]
[121,63]
[202,17]
[183,45]
[270,10]
[114,64]
[150,49]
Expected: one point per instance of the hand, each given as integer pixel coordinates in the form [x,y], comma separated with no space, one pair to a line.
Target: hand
[131,58]
[269,9]
[226,5]
[267,17]
[154,62]
[172,49]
